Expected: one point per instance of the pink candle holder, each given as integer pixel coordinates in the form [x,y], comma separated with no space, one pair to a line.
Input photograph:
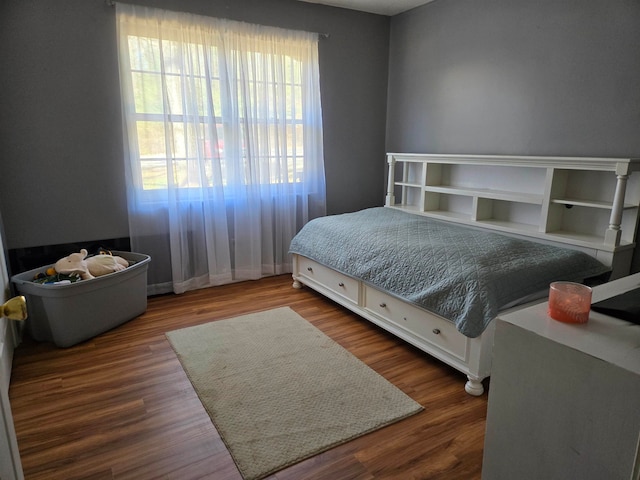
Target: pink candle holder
[569,302]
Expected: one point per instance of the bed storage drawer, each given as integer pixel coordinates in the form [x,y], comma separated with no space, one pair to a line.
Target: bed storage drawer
[417,322]
[342,285]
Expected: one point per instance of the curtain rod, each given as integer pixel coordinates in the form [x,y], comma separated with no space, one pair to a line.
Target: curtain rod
[112,3]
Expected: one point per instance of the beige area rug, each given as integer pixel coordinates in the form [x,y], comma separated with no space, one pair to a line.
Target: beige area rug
[279,390]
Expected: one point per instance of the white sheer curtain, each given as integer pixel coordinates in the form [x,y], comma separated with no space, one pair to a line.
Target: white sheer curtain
[223,144]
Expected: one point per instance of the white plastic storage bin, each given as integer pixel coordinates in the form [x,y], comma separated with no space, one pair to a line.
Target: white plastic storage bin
[72,313]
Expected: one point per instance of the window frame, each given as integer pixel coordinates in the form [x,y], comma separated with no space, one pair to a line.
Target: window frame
[295,160]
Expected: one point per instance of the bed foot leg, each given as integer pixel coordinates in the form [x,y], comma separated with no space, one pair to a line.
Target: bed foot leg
[296,284]
[474,386]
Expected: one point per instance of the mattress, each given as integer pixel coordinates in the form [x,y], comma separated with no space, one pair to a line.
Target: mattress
[464,274]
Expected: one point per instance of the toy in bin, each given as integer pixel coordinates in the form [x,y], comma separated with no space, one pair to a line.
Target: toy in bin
[80,266]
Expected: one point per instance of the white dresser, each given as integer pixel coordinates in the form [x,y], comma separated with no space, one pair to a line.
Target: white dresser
[564,400]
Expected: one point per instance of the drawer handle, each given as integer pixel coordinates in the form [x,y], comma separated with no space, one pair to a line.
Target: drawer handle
[309,269]
[341,284]
[383,305]
[436,331]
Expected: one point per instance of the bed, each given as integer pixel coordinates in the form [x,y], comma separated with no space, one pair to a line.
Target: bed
[438,266]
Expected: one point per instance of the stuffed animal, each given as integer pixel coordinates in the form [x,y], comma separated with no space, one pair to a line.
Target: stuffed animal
[74,264]
[91,267]
[103,264]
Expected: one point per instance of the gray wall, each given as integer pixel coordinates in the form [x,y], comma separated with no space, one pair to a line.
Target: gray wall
[542,77]
[61,167]
[465,76]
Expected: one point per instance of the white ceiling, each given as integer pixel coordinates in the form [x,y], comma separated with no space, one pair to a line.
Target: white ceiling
[381,7]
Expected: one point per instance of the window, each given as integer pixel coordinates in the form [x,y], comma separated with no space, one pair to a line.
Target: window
[223,144]
[206,117]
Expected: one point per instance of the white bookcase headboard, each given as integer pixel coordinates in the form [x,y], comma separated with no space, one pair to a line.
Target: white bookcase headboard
[591,204]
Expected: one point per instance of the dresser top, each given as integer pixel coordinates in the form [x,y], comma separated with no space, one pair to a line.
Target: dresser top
[610,339]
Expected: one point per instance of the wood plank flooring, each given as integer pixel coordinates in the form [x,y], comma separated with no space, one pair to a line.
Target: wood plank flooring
[120,406]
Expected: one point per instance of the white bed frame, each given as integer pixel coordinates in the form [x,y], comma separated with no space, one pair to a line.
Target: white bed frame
[590,204]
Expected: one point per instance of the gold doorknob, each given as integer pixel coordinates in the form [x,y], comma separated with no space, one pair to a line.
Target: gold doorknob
[14,308]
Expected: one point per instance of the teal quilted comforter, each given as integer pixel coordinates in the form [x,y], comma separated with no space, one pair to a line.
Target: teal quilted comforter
[461,273]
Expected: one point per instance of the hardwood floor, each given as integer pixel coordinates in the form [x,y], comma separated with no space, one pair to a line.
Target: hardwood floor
[120,406]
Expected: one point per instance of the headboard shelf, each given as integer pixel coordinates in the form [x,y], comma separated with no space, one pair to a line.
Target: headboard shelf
[590,203]
[587,203]
[488,193]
